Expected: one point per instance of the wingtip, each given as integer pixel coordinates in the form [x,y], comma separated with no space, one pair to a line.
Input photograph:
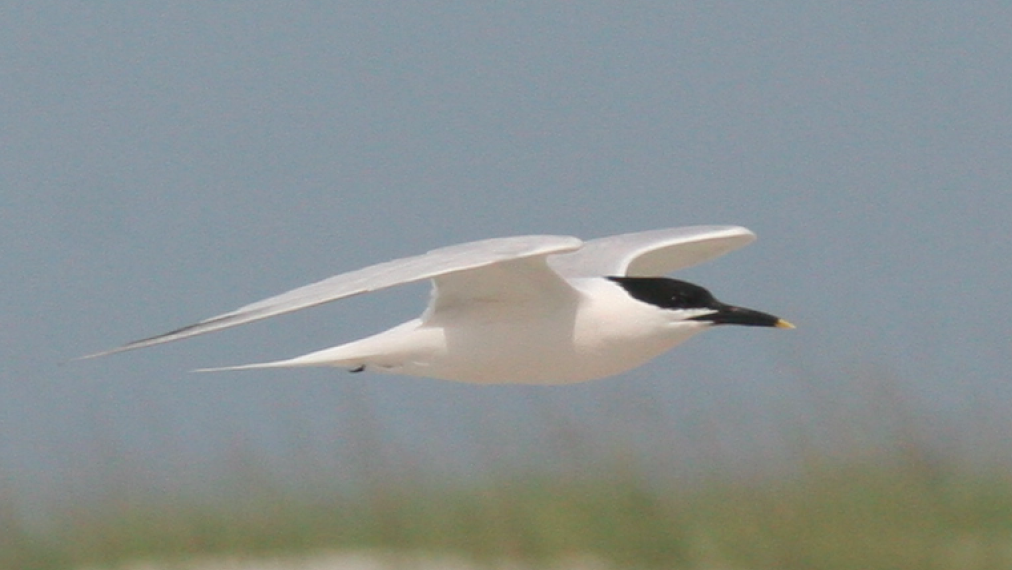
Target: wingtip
[739,231]
[99,354]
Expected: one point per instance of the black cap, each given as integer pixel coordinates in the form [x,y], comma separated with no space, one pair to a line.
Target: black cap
[673,294]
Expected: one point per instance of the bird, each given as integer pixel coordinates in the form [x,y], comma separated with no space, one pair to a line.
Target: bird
[532,309]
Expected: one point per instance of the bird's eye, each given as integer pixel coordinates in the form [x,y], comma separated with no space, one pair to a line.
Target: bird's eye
[692,298]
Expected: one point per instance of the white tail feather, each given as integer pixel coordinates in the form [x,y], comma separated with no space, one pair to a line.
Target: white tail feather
[299,362]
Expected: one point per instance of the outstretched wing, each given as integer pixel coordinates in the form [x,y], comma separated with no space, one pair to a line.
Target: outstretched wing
[652,253]
[436,263]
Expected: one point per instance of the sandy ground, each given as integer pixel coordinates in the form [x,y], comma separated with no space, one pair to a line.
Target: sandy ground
[357,561]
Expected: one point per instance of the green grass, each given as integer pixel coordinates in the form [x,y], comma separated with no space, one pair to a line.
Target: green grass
[874,497]
[859,515]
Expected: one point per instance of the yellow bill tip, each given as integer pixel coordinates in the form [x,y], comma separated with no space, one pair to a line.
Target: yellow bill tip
[782,324]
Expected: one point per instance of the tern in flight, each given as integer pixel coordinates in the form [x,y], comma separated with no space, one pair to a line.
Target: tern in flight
[537,309]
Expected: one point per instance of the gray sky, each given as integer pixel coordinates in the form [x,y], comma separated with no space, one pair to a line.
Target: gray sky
[161,163]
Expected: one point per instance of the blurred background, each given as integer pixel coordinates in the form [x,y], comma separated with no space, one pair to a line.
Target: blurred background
[165,162]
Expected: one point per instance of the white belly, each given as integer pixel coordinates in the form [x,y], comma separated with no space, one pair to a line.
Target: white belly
[604,334]
[548,350]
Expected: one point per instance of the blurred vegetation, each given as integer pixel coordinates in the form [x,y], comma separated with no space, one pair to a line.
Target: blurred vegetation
[862,485]
[866,515]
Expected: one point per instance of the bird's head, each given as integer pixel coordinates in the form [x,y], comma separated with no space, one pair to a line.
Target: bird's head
[690,302]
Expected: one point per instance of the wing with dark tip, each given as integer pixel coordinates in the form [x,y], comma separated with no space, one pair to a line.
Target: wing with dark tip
[436,263]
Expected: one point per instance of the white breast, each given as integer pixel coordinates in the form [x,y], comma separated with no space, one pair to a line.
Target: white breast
[606,332]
